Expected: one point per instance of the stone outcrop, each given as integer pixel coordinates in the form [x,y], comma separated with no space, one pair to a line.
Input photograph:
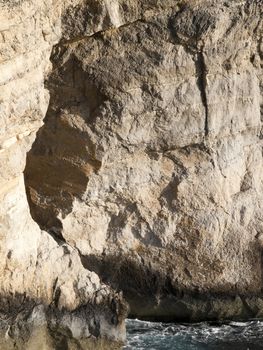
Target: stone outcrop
[146,171]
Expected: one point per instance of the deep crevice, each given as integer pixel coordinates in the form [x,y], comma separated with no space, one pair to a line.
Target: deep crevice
[202,84]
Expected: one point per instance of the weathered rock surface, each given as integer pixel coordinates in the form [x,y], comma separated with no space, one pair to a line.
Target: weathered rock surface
[150,159]
[36,269]
[148,168]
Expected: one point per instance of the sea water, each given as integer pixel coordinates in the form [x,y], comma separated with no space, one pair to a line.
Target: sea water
[143,335]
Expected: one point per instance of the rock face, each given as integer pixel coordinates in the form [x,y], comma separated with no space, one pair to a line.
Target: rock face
[37,273]
[146,175]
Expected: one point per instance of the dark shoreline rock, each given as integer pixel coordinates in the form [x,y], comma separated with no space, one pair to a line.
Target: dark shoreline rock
[191,308]
[153,295]
[26,322]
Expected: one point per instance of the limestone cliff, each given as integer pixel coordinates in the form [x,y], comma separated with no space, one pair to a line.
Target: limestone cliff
[146,171]
[42,281]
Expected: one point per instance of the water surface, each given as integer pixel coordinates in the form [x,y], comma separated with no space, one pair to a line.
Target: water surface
[143,335]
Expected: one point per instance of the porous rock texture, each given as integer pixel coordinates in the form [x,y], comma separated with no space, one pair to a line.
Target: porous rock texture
[146,176]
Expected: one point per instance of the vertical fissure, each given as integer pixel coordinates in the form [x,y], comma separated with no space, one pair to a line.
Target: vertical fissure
[202,84]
